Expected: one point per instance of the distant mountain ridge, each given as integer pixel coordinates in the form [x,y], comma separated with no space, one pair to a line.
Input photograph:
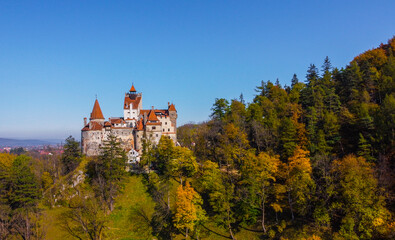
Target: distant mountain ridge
[8,142]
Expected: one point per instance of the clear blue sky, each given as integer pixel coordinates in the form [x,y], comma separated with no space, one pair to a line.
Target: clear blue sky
[56,55]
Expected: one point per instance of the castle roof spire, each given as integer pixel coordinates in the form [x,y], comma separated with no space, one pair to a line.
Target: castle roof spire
[171,107]
[132,89]
[152,116]
[96,111]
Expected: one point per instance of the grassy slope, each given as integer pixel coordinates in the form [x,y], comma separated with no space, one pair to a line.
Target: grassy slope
[53,231]
[125,224]
[120,223]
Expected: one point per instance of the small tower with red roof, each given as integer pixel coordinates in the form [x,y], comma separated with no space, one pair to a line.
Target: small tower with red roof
[96,114]
[91,134]
[133,103]
[172,114]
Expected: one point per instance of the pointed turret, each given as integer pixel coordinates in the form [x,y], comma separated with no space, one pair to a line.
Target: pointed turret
[140,125]
[152,116]
[132,89]
[172,107]
[172,114]
[96,112]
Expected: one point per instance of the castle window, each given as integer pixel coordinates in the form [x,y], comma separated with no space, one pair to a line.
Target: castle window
[156,135]
[153,128]
[168,129]
[165,123]
[163,130]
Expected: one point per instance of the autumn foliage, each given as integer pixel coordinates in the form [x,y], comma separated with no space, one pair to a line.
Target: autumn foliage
[318,154]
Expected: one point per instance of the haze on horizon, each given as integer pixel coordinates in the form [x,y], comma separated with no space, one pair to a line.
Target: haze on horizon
[55,57]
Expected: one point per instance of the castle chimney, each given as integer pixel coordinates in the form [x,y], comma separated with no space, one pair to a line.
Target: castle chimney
[168,104]
[84,121]
[145,118]
[152,107]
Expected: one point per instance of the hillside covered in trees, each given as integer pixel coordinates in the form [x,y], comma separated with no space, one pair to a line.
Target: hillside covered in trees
[314,160]
[318,154]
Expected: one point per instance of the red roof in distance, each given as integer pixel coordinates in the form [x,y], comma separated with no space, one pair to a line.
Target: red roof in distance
[132,89]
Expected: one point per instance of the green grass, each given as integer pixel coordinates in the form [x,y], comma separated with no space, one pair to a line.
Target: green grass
[51,226]
[126,222]
[121,224]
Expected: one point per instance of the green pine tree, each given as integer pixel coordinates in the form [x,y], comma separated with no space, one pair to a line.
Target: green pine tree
[71,156]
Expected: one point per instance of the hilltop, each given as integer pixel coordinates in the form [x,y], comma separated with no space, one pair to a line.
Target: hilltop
[8,142]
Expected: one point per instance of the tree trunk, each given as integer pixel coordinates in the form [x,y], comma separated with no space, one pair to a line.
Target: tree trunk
[168,199]
[186,233]
[231,233]
[230,227]
[290,204]
[27,226]
[263,208]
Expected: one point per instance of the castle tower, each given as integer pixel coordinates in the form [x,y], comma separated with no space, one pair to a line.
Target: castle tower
[132,105]
[96,114]
[92,133]
[173,115]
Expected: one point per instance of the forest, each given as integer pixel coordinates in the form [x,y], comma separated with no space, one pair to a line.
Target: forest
[314,160]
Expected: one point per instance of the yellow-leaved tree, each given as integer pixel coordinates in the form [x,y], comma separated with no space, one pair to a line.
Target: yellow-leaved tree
[299,183]
[188,212]
[359,206]
[259,173]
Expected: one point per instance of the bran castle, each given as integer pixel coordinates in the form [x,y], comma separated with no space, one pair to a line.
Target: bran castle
[135,125]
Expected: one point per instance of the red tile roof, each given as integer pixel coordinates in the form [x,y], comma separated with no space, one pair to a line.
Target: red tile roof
[107,124]
[132,89]
[162,111]
[96,112]
[172,107]
[116,120]
[153,123]
[92,126]
[152,116]
[95,126]
[134,102]
[140,125]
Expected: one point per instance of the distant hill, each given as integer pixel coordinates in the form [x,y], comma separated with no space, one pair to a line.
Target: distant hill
[7,142]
